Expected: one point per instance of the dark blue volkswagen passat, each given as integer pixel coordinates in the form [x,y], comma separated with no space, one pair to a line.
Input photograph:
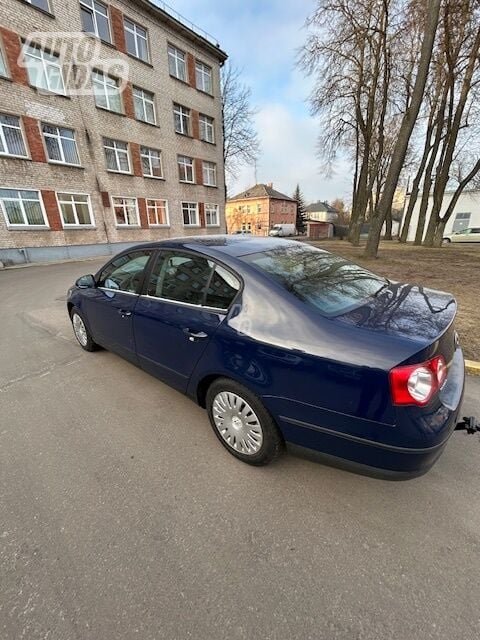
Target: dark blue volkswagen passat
[285,343]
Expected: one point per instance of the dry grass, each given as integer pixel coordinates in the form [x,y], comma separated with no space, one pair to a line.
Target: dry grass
[454,268]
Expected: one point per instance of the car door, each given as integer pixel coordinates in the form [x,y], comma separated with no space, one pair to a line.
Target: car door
[184,301]
[463,236]
[475,235]
[109,307]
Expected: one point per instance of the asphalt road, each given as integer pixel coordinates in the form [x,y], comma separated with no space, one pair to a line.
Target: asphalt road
[121,516]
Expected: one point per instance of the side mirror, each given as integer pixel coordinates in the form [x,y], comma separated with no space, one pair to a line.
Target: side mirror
[86,282]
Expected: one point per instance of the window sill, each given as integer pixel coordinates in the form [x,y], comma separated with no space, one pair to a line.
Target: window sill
[187,182]
[205,93]
[134,57]
[212,226]
[28,227]
[75,227]
[94,36]
[192,226]
[47,93]
[7,78]
[184,135]
[44,11]
[115,113]
[66,164]
[13,157]
[150,124]
[185,82]
[214,144]
[155,178]
[211,186]
[127,226]
[120,173]
[159,226]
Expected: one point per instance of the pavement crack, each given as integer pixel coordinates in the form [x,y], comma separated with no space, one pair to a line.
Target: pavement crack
[39,373]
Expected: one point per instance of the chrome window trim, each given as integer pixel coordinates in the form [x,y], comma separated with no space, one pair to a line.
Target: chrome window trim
[187,304]
[128,293]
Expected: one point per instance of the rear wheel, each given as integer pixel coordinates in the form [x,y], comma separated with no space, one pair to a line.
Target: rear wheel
[81,332]
[242,424]
[446,240]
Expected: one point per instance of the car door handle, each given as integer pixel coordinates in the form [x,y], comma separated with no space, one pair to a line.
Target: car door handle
[124,314]
[195,335]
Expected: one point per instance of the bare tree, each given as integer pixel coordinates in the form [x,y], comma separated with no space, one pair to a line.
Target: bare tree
[240,139]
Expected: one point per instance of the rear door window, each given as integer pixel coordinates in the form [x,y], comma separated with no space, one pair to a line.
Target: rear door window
[222,289]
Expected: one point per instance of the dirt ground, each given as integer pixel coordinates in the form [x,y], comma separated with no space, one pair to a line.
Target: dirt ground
[453,268]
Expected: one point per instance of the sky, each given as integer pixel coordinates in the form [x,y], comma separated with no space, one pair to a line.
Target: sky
[262,37]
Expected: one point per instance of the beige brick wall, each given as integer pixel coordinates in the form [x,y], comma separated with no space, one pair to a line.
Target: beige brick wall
[258,215]
[91,124]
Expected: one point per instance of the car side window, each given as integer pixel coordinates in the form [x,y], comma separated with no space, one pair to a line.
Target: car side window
[222,289]
[180,277]
[125,272]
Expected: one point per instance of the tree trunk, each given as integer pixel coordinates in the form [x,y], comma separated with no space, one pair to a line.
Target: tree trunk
[361,202]
[388,226]
[406,128]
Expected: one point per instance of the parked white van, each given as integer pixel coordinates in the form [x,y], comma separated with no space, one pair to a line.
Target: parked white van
[283,230]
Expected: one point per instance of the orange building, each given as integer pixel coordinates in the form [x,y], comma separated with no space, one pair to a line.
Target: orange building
[257,209]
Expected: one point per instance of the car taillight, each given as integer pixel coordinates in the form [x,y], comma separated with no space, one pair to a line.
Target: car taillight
[416,383]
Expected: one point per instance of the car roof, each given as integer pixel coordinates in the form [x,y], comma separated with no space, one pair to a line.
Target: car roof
[232,245]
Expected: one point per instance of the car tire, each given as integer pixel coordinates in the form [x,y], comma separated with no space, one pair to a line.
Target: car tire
[446,241]
[242,423]
[82,334]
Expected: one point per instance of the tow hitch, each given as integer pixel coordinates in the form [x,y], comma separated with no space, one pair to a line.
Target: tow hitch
[470,425]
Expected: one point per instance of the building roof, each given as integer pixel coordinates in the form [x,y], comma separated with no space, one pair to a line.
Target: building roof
[320,206]
[166,14]
[261,191]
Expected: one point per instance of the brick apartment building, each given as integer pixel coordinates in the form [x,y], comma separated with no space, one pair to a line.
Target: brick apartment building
[257,209]
[110,143]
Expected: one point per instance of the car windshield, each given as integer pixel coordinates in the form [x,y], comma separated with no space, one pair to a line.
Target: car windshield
[320,279]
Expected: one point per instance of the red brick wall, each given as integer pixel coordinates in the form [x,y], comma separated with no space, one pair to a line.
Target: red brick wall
[198,171]
[12,47]
[142,210]
[136,162]
[195,125]
[191,70]
[34,139]
[51,208]
[105,199]
[201,213]
[117,28]
[128,101]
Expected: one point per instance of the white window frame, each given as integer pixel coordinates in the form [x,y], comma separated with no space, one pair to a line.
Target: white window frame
[123,225]
[76,225]
[37,7]
[176,54]
[216,207]
[136,35]
[145,99]
[180,162]
[207,124]
[197,214]
[5,154]
[59,139]
[24,225]
[149,156]
[3,58]
[155,208]
[103,81]
[40,60]
[204,71]
[93,9]
[209,168]
[117,151]
[183,112]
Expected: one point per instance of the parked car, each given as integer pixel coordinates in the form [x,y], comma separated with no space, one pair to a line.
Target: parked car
[284,343]
[471,234]
[283,230]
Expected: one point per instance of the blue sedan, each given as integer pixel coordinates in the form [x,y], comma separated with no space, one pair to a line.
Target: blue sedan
[285,344]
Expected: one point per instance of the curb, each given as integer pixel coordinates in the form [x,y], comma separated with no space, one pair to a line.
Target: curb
[472,367]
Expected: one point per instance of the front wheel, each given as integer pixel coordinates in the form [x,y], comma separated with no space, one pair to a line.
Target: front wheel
[81,332]
[446,240]
[242,424]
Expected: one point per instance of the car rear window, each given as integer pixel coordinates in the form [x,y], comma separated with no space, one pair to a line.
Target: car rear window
[322,280]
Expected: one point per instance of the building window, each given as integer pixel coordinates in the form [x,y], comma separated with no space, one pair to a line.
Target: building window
[185,169]
[177,63]
[462,221]
[157,213]
[136,39]
[181,117]
[95,19]
[203,76]
[107,92]
[259,208]
[60,144]
[211,215]
[22,208]
[3,64]
[209,174]
[116,155]
[207,128]
[75,209]
[11,137]
[190,214]
[44,69]
[126,212]
[144,103]
[151,162]
[40,4]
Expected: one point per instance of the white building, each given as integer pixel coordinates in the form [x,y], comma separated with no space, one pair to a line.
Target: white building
[466,213]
